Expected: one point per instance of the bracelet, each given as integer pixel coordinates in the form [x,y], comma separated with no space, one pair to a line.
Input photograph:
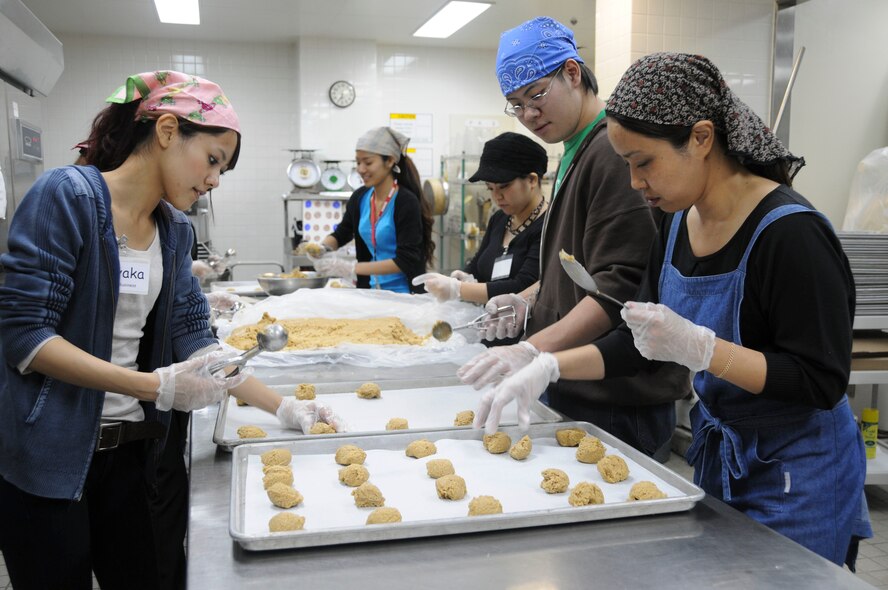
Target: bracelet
[729,363]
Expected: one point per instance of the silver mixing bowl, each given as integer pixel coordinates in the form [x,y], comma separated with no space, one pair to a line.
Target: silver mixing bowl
[275,285]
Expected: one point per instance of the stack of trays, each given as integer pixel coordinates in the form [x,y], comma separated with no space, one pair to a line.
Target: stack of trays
[868,254]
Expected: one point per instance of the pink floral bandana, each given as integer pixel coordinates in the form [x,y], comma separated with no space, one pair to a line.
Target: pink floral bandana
[188,97]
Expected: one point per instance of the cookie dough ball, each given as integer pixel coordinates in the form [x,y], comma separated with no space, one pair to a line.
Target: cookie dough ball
[276,457]
[251,432]
[645,490]
[590,450]
[240,402]
[369,391]
[322,428]
[464,418]
[286,521]
[421,448]
[569,437]
[354,475]
[451,487]
[350,455]
[554,481]
[585,493]
[397,424]
[305,391]
[613,469]
[368,495]
[314,249]
[497,443]
[277,474]
[283,496]
[521,449]
[439,468]
[384,516]
[484,505]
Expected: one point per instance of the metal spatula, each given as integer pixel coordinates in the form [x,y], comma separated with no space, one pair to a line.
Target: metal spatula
[443,331]
[581,277]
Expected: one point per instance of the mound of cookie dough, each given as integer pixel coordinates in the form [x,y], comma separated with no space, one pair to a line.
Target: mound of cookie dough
[484,505]
[276,457]
[286,521]
[451,487]
[497,443]
[277,474]
[645,490]
[590,450]
[464,418]
[397,424]
[384,516]
[354,475]
[305,391]
[368,495]
[613,469]
[369,391]
[586,493]
[569,437]
[350,455]
[421,448]
[439,468]
[321,428]
[554,481]
[283,496]
[521,449]
[251,432]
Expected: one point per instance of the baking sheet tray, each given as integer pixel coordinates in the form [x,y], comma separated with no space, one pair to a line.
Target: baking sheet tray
[427,404]
[247,288]
[331,516]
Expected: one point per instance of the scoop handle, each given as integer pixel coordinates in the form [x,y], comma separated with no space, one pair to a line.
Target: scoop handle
[239,360]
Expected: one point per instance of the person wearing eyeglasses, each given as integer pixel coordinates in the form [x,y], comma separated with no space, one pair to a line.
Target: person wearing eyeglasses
[595,216]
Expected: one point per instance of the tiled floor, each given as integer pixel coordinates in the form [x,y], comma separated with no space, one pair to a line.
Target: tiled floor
[872,563]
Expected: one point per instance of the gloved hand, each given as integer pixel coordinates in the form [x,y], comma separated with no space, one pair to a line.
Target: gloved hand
[525,387]
[201,269]
[505,327]
[662,335]
[188,385]
[443,288]
[496,363]
[302,414]
[332,265]
[221,301]
[463,277]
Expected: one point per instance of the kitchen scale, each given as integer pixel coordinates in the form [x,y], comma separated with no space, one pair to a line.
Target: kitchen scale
[302,171]
[333,178]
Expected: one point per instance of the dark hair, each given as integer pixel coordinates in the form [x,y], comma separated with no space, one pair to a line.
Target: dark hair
[590,83]
[679,135]
[408,178]
[116,134]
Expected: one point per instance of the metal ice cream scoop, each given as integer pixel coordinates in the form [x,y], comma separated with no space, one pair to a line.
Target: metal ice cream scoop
[581,277]
[443,331]
[271,339]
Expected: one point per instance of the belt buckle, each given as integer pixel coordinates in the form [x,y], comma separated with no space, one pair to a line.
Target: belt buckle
[109,436]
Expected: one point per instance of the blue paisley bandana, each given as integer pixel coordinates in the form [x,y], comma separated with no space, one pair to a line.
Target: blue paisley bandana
[532,51]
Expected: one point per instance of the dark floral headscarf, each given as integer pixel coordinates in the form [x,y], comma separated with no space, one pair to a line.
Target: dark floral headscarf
[681,89]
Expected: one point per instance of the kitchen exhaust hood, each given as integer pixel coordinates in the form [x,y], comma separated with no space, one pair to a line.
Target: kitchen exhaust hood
[30,55]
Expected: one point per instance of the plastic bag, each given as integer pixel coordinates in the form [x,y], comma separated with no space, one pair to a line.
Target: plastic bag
[868,200]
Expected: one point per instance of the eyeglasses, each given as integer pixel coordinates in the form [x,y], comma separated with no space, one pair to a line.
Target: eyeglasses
[534,102]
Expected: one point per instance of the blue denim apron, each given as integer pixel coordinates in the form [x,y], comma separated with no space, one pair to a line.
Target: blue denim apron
[386,243]
[794,468]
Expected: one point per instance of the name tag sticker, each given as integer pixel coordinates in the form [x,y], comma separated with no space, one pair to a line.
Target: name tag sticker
[502,266]
[134,275]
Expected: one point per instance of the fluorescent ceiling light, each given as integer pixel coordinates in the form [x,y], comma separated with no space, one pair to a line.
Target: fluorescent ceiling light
[450,19]
[179,12]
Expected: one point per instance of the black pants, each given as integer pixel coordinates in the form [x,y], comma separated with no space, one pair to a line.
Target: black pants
[49,543]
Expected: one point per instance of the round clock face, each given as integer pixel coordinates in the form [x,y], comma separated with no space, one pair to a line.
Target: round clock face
[342,94]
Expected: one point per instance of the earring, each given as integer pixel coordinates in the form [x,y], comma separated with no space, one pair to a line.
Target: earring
[396,169]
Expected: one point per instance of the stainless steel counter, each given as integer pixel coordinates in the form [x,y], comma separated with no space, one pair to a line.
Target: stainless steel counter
[710,546]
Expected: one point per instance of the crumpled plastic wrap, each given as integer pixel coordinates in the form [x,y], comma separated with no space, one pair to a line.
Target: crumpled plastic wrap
[417,312]
[868,199]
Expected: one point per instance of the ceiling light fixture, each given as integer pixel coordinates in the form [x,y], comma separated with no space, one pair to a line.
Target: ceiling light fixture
[178,12]
[451,18]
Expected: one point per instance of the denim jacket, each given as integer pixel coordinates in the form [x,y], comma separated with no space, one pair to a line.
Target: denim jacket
[62,279]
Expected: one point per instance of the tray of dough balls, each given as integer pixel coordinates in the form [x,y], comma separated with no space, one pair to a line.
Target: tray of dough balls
[368,408]
[313,492]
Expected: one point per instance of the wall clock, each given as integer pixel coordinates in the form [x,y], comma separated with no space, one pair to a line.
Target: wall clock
[342,94]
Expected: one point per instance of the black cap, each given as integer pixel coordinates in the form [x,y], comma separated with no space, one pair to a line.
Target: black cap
[508,156]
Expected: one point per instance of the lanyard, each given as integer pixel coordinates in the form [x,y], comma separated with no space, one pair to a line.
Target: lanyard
[374,215]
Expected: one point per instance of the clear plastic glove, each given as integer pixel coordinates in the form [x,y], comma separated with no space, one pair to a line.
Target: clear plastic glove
[463,277]
[295,413]
[443,288]
[505,327]
[221,301]
[335,266]
[662,335]
[188,385]
[525,387]
[201,269]
[496,363]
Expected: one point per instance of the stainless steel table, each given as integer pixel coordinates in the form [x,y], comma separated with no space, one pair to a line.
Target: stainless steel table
[710,546]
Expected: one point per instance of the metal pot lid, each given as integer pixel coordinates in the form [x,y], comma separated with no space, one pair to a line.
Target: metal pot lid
[303,173]
[333,179]
[354,179]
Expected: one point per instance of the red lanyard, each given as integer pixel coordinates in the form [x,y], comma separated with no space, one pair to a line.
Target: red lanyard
[374,215]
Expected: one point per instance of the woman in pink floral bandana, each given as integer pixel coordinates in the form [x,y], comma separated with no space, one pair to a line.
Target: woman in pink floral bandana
[104,331]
